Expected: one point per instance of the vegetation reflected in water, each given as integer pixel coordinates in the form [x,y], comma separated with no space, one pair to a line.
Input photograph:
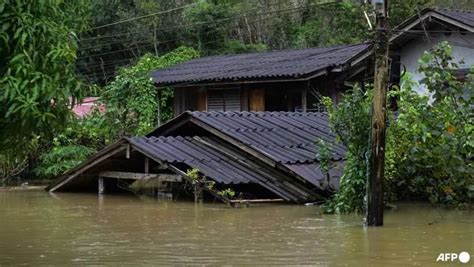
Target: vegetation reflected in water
[37,228]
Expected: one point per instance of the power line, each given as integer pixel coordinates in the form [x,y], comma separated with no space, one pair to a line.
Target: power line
[142,17]
[126,32]
[241,15]
[201,23]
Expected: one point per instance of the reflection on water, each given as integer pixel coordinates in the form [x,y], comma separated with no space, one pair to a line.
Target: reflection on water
[37,228]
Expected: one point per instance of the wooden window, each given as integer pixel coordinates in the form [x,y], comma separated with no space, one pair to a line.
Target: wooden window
[223,100]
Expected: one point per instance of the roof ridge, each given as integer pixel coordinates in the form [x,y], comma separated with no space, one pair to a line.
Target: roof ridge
[287,50]
[453,9]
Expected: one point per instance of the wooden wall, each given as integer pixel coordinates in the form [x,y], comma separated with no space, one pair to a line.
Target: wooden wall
[257,100]
[275,96]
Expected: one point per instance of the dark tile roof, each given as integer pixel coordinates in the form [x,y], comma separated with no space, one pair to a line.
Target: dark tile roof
[288,138]
[211,159]
[285,161]
[260,65]
[463,16]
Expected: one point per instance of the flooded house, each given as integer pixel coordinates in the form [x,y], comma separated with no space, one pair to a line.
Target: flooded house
[259,156]
[248,127]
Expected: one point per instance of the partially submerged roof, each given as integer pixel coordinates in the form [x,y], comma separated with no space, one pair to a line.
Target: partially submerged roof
[213,160]
[274,65]
[218,163]
[275,151]
[282,139]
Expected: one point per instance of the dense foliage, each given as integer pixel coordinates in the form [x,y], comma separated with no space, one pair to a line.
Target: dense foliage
[131,109]
[63,155]
[134,105]
[38,45]
[432,142]
[429,142]
[350,120]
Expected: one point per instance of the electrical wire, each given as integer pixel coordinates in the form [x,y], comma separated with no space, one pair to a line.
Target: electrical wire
[197,34]
[241,15]
[141,17]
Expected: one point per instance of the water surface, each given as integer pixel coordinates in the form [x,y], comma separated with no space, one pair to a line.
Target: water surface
[82,229]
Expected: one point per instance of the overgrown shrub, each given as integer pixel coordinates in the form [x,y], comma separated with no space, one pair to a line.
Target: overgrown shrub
[133,100]
[350,120]
[63,155]
[432,141]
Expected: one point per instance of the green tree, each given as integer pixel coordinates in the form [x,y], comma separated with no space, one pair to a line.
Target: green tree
[38,46]
[345,25]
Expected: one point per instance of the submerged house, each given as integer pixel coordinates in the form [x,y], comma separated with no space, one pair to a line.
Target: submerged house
[259,155]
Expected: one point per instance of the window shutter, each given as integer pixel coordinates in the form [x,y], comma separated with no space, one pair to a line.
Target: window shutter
[223,100]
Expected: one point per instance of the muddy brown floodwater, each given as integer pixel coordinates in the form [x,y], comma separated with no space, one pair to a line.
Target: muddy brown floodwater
[82,229]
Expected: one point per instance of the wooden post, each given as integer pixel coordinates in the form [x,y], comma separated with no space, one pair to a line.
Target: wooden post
[202,99]
[101,186]
[158,109]
[304,99]
[146,171]
[198,193]
[147,165]
[377,156]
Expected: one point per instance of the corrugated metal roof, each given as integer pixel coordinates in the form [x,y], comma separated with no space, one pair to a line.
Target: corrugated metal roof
[286,137]
[260,65]
[201,153]
[221,150]
[463,16]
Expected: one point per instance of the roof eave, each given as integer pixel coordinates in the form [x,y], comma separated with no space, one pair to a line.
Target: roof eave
[312,75]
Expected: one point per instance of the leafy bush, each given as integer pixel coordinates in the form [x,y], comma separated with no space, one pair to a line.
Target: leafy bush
[228,193]
[61,157]
[132,98]
[350,120]
[432,141]
[38,46]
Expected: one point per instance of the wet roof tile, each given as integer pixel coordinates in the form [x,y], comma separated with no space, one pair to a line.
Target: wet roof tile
[209,157]
[259,65]
[286,137]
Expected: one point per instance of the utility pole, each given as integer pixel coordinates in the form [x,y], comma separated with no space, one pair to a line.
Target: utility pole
[377,159]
